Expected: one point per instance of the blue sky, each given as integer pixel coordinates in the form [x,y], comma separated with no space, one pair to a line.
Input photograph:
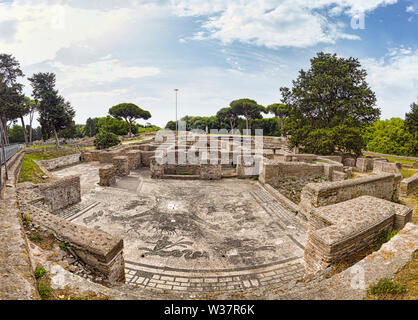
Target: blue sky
[107,52]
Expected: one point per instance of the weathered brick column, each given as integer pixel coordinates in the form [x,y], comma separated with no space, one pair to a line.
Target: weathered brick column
[107,156]
[107,176]
[157,170]
[134,159]
[210,171]
[86,157]
[121,165]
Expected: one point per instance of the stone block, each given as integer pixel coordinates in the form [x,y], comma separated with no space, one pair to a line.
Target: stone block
[121,165]
[107,176]
[340,231]
[134,159]
[409,186]
[62,193]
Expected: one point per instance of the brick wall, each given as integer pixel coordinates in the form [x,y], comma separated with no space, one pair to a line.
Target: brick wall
[62,193]
[59,162]
[382,186]
[409,185]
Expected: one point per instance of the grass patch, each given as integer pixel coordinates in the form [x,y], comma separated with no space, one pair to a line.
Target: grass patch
[44,289]
[30,172]
[27,219]
[394,159]
[36,237]
[387,236]
[132,141]
[63,246]
[406,172]
[40,272]
[385,286]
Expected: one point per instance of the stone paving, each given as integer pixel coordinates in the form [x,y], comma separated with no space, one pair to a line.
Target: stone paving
[193,236]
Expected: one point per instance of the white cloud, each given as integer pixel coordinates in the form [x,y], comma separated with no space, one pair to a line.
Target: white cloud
[98,73]
[42,29]
[410,9]
[273,23]
[394,78]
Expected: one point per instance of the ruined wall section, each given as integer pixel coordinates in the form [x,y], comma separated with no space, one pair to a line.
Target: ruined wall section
[382,186]
[59,162]
[409,185]
[340,231]
[62,193]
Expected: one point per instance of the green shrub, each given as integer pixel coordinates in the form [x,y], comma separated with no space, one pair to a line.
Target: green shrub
[35,237]
[385,237]
[27,219]
[105,139]
[63,246]
[44,290]
[40,272]
[385,286]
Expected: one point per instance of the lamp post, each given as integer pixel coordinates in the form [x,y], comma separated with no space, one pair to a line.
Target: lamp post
[177,128]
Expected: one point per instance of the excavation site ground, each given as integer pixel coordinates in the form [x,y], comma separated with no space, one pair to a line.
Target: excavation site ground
[192,235]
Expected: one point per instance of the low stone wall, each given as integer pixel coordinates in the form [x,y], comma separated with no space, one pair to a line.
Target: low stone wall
[59,162]
[13,168]
[285,202]
[197,171]
[380,166]
[364,164]
[62,193]
[17,281]
[272,172]
[409,185]
[210,171]
[340,231]
[100,251]
[352,283]
[107,156]
[314,195]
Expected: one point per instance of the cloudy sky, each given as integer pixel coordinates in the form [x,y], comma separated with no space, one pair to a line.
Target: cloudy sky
[105,52]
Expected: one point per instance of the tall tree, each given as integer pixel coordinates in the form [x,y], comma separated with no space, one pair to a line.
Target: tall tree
[329,105]
[23,109]
[10,91]
[90,127]
[55,113]
[129,112]
[33,107]
[227,115]
[248,108]
[281,111]
[411,119]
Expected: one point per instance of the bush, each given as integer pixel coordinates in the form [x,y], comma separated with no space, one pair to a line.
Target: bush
[39,272]
[385,237]
[27,219]
[385,286]
[106,140]
[63,246]
[44,290]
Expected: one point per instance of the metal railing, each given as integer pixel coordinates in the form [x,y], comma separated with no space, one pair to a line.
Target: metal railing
[9,151]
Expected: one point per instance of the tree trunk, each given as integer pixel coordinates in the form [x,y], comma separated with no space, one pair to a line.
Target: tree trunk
[246,122]
[57,141]
[24,131]
[130,129]
[3,124]
[30,126]
[282,126]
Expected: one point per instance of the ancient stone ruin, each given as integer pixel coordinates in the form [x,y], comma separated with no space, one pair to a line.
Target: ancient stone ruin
[191,217]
